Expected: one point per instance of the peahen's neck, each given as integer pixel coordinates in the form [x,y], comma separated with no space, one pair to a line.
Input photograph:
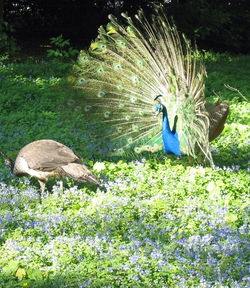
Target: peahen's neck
[12,164]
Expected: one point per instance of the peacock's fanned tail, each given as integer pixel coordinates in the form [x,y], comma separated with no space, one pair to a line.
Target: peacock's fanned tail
[125,68]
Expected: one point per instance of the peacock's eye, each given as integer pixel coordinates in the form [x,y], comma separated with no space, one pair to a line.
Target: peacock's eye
[100,94]
[159,107]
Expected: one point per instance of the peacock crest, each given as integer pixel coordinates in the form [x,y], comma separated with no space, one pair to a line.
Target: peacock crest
[123,72]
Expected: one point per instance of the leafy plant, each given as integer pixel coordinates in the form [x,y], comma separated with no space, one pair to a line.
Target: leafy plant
[7,43]
[62,49]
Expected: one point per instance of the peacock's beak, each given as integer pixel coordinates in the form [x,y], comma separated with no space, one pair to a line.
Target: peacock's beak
[157,112]
[158,109]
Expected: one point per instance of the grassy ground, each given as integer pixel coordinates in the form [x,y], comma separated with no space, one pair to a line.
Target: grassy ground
[155,222]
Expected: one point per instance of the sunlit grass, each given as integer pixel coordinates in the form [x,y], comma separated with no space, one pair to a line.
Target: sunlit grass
[156,221]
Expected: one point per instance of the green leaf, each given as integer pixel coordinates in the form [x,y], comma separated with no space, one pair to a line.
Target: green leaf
[35,274]
[11,266]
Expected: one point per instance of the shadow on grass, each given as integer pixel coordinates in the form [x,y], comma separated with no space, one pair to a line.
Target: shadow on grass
[52,281]
[231,158]
[69,281]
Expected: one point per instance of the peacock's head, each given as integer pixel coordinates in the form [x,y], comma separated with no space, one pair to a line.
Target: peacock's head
[160,107]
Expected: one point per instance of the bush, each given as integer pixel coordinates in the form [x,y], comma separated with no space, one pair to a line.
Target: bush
[7,43]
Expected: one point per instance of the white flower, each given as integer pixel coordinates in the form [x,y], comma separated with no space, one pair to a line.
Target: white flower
[99,166]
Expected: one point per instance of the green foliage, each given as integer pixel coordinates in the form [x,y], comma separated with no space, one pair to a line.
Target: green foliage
[62,49]
[166,220]
[217,25]
[227,69]
[33,95]
[7,43]
[155,222]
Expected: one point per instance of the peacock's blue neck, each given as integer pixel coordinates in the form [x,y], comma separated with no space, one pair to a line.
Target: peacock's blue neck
[170,138]
[165,123]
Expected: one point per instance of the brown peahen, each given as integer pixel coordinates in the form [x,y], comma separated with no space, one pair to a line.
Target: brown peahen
[135,69]
[44,159]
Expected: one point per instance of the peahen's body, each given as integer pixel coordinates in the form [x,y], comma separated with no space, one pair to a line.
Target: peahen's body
[45,159]
[132,68]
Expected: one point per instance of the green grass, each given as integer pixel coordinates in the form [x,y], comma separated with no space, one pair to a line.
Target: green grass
[155,222]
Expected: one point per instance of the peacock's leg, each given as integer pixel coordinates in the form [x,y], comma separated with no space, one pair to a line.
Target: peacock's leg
[191,160]
[198,160]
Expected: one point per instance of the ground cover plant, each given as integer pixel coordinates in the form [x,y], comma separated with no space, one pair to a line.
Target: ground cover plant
[155,222]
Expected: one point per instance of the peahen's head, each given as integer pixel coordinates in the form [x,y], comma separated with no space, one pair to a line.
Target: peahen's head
[7,160]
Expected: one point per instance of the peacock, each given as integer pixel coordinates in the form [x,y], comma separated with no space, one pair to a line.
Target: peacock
[143,89]
[45,159]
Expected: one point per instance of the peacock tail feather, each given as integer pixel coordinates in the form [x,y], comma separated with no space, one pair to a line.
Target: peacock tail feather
[123,71]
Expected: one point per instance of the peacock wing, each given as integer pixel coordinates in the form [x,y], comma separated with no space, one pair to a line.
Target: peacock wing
[217,115]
